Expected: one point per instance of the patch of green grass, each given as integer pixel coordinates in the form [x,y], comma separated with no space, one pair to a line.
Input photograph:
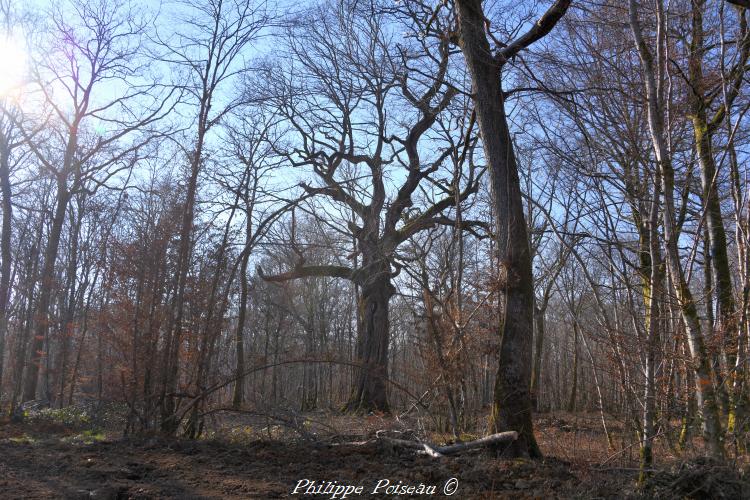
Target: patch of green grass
[236,435]
[90,436]
[465,436]
[240,435]
[25,439]
[69,416]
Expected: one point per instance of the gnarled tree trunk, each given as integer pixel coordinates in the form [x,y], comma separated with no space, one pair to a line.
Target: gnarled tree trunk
[370,392]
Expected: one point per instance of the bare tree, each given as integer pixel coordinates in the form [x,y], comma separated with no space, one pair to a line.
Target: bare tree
[654,68]
[512,401]
[252,145]
[209,55]
[350,73]
[94,136]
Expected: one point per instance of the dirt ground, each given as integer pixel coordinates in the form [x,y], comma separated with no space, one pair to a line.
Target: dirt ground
[55,461]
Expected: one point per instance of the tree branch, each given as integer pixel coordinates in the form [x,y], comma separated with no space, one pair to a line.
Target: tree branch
[309,271]
[540,29]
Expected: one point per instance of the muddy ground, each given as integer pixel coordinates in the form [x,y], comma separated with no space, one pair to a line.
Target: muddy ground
[49,460]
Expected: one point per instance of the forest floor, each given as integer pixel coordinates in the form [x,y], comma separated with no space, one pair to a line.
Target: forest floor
[47,459]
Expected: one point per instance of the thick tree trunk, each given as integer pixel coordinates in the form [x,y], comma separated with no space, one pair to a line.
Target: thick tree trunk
[511,409]
[370,391]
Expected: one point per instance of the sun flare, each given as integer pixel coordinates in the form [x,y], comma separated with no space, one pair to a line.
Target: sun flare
[13,66]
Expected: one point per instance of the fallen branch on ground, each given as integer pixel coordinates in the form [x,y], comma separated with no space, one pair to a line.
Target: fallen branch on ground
[439,451]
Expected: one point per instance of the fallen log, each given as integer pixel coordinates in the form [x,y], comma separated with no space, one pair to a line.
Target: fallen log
[429,450]
[500,437]
[439,451]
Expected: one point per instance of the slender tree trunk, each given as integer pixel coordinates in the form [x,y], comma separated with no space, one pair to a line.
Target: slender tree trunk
[46,292]
[81,343]
[652,344]
[173,342]
[239,339]
[653,277]
[445,369]
[599,395]
[538,346]
[511,408]
[212,326]
[574,384]
[5,251]
[23,341]
[656,105]
[726,326]
[737,423]
[704,383]
[69,304]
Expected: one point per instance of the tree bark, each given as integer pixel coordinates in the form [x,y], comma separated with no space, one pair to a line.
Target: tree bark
[30,275]
[511,409]
[173,342]
[705,393]
[46,291]
[370,391]
[537,362]
[69,302]
[574,384]
[726,327]
[5,249]
[239,384]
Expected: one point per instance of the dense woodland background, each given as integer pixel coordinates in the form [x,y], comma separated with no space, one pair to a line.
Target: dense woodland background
[226,204]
